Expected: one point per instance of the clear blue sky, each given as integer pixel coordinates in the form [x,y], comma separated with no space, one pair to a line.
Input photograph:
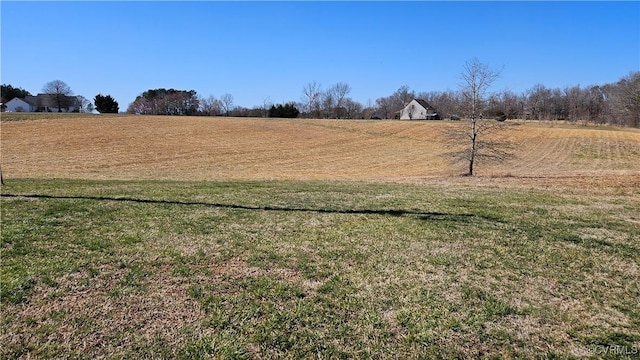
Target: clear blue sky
[259,50]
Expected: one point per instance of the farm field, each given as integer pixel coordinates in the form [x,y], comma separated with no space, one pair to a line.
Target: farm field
[158,237]
[194,148]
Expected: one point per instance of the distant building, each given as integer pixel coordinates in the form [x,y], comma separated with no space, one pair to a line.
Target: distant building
[419,109]
[18,105]
[41,103]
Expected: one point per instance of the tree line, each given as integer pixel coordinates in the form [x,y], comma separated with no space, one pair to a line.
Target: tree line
[615,103]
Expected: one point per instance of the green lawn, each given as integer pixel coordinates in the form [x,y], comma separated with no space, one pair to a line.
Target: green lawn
[317,270]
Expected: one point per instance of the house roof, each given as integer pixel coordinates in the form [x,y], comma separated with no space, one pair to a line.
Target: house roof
[18,99]
[31,100]
[47,100]
[424,104]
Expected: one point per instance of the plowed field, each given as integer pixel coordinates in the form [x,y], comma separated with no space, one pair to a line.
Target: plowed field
[194,148]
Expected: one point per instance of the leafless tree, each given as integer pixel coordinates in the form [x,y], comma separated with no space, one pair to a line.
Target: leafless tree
[447,103]
[266,104]
[626,100]
[59,91]
[226,101]
[401,98]
[210,106]
[616,103]
[84,105]
[404,95]
[353,109]
[328,104]
[204,106]
[383,106]
[570,100]
[513,105]
[539,99]
[596,104]
[339,94]
[482,135]
[311,98]
[368,110]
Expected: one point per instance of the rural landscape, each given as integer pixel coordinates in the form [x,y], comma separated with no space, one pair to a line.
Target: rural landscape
[138,236]
[320,180]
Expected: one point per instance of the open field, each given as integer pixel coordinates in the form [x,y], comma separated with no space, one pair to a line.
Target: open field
[156,237]
[177,148]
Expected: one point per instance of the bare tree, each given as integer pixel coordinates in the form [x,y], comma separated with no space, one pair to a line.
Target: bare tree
[213,106]
[210,106]
[399,99]
[226,101]
[614,103]
[483,136]
[60,92]
[311,98]
[596,103]
[383,106]
[627,100]
[339,93]
[353,109]
[368,110]
[539,102]
[402,97]
[266,104]
[84,105]
[328,104]
[512,104]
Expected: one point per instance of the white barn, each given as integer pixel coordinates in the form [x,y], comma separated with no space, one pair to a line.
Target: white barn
[419,109]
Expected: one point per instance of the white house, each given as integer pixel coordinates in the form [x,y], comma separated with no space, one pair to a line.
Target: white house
[19,105]
[419,109]
[41,103]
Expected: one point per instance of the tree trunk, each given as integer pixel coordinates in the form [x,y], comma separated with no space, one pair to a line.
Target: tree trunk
[472,155]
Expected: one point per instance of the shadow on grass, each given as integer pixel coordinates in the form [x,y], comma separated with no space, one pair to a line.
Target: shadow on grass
[422,215]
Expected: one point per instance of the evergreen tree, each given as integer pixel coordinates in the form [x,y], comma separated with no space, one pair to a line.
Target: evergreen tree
[288,110]
[9,92]
[106,104]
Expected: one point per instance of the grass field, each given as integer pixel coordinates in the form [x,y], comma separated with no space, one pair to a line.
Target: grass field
[131,237]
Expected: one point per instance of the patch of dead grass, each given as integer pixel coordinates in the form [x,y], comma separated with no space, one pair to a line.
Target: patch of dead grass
[98,321]
[90,314]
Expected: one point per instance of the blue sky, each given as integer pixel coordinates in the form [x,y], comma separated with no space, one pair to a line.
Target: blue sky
[270,50]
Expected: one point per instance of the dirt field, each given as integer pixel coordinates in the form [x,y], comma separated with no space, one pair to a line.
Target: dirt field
[194,148]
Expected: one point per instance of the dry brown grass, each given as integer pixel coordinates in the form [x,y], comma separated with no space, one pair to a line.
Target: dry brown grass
[192,148]
[89,302]
[157,308]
